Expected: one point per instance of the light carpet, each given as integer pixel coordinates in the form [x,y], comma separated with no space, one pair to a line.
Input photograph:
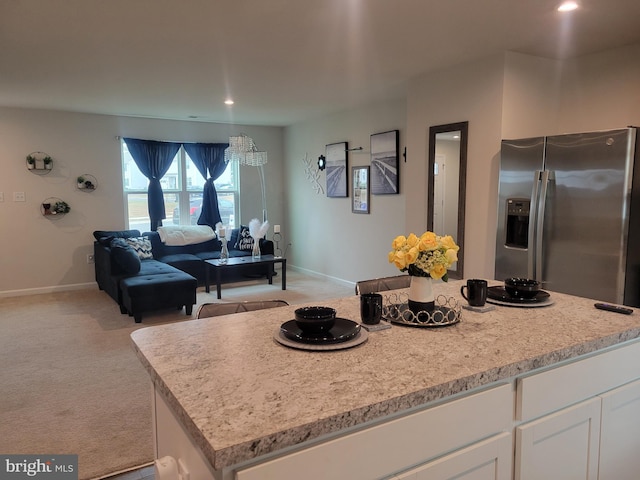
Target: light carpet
[70,382]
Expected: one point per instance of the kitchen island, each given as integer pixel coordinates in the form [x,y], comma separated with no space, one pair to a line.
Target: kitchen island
[231,402]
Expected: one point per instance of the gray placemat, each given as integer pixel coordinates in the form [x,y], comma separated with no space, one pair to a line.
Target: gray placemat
[376,327]
[483,309]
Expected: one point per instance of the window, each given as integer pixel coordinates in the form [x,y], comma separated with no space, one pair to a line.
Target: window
[182,186]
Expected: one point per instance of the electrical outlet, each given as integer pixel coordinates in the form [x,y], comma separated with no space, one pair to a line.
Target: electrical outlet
[1,196]
[19,197]
[90,258]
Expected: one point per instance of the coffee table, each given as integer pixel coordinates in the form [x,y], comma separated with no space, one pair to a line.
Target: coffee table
[235,262]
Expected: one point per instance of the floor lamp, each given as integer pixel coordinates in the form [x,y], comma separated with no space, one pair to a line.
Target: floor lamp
[243,150]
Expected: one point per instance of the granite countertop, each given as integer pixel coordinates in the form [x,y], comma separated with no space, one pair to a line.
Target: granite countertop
[241,394]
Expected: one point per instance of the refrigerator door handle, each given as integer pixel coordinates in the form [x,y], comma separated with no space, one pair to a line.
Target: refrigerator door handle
[533,216]
[544,184]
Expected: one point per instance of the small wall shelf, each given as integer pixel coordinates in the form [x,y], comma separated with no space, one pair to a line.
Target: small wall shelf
[39,163]
[54,207]
[86,182]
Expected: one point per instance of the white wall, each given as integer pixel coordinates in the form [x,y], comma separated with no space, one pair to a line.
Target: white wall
[601,91]
[39,254]
[531,96]
[471,92]
[326,237]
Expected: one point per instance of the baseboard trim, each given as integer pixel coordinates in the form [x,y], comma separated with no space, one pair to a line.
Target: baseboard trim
[346,283]
[52,289]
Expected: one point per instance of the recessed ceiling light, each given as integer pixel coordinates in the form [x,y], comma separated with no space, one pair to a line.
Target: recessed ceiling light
[567,7]
[228,101]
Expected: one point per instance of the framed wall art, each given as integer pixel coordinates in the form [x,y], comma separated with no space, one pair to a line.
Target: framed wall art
[336,161]
[360,182]
[385,165]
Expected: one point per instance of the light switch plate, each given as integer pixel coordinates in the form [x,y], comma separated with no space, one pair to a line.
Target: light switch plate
[19,197]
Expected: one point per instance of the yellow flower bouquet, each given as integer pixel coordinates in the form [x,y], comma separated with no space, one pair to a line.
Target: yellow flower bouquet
[428,255]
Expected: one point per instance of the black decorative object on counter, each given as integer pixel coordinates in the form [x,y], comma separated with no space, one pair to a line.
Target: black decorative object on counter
[497,295]
[342,331]
[315,319]
[444,312]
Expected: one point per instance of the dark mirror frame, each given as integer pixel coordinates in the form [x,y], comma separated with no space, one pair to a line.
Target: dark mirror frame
[463,127]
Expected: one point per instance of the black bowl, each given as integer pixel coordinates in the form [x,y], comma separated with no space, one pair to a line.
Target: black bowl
[315,319]
[522,287]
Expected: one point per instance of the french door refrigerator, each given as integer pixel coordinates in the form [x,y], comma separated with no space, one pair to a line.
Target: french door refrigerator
[569,214]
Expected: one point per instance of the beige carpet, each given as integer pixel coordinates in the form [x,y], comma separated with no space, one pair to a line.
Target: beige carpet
[70,382]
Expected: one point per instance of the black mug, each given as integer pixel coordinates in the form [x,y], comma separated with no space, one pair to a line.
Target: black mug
[476,291]
[370,308]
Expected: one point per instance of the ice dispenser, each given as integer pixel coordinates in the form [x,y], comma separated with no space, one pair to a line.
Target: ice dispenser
[517,222]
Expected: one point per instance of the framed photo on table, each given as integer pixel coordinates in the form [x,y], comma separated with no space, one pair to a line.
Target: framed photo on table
[384,163]
[360,182]
[336,161]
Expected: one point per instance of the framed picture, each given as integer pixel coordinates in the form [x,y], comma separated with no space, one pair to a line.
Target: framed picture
[360,178]
[336,159]
[384,163]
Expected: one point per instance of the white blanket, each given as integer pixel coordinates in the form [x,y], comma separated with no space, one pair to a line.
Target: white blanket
[185,234]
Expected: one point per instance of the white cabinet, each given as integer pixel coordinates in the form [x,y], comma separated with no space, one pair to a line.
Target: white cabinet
[620,433]
[486,460]
[382,450]
[580,420]
[563,445]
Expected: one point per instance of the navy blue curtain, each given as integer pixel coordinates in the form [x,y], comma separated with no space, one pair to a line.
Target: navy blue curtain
[153,158]
[209,160]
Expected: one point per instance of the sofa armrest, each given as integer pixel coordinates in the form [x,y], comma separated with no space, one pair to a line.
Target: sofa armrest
[104,270]
[102,260]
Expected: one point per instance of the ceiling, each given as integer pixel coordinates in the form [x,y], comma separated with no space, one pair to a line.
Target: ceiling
[282,61]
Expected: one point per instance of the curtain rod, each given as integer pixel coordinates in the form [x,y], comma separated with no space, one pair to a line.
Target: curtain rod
[120,137]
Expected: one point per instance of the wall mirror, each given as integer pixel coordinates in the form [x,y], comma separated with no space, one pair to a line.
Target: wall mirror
[446,184]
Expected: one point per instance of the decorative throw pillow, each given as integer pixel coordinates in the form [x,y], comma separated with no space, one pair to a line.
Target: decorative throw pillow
[124,255]
[245,240]
[142,246]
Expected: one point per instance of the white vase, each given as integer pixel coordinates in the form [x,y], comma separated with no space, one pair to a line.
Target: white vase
[421,297]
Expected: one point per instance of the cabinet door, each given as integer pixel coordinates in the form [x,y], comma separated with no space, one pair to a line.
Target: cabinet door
[486,460]
[620,433]
[563,445]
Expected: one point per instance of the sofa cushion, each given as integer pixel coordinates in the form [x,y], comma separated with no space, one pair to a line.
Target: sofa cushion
[213,254]
[239,253]
[98,234]
[245,240]
[179,257]
[154,267]
[124,255]
[142,246]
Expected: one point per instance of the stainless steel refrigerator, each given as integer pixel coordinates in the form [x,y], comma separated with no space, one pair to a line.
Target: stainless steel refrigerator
[569,214]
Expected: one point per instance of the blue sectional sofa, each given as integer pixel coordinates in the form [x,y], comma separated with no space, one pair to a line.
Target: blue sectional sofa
[123,255]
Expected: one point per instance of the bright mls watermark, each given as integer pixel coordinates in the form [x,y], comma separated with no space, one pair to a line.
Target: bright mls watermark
[49,467]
